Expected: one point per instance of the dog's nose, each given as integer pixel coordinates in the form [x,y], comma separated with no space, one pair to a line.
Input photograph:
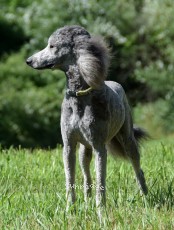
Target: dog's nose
[29,61]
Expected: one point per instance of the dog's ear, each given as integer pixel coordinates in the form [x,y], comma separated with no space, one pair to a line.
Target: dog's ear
[93,61]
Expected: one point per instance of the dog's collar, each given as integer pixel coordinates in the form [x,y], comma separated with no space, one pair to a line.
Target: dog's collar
[79,93]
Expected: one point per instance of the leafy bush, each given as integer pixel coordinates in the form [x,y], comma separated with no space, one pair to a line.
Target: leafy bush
[10,30]
[29,106]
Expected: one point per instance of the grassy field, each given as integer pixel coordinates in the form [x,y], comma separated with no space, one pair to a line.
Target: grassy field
[32,192]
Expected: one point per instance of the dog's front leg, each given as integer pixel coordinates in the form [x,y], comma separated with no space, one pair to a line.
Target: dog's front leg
[69,158]
[85,157]
[100,167]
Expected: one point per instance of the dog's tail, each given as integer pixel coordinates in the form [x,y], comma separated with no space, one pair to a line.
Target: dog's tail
[116,149]
[140,134]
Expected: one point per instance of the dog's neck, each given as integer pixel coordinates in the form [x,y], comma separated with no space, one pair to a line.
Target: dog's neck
[75,81]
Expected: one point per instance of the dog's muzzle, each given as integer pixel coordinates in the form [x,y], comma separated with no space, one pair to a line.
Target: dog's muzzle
[34,65]
[29,61]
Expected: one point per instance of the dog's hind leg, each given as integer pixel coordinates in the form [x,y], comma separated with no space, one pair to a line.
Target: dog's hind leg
[69,158]
[85,157]
[100,167]
[131,149]
[134,156]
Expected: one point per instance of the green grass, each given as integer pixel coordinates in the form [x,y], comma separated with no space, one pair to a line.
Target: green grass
[32,192]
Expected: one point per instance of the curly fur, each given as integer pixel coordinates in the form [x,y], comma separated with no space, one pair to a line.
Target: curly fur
[93,62]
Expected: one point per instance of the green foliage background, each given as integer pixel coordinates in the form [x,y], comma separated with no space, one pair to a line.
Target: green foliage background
[140,33]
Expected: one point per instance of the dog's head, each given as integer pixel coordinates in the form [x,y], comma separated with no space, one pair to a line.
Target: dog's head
[71,45]
[60,48]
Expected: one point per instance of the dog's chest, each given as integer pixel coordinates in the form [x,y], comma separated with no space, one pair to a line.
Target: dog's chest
[83,114]
[85,121]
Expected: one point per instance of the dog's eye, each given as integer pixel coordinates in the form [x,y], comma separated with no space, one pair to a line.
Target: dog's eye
[51,46]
